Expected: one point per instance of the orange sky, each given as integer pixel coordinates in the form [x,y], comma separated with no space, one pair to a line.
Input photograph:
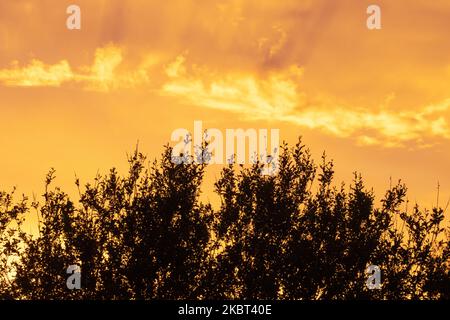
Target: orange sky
[377,101]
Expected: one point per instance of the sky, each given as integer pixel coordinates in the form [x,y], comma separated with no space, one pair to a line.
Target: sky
[377,101]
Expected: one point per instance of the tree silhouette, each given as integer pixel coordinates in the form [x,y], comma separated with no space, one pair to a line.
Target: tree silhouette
[141,236]
[11,220]
[291,235]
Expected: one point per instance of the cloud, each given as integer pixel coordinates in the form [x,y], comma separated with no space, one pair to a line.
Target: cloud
[276,95]
[103,75]
[37,74]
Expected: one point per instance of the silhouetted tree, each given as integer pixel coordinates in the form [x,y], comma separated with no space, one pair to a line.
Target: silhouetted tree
[290,235]
[141,236]
[11,220]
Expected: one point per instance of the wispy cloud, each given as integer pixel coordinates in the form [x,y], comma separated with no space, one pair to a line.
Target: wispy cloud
[102,75]
[36,73]
[267,95]
[277,96]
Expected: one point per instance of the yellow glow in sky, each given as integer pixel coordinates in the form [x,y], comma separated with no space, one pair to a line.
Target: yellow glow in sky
[378,101]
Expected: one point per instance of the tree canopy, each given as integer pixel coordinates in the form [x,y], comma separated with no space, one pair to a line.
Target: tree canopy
[292,235]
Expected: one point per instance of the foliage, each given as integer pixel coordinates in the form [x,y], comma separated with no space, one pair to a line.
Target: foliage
[292,235]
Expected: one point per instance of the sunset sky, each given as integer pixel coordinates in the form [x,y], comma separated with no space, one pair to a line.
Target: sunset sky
[378,101]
